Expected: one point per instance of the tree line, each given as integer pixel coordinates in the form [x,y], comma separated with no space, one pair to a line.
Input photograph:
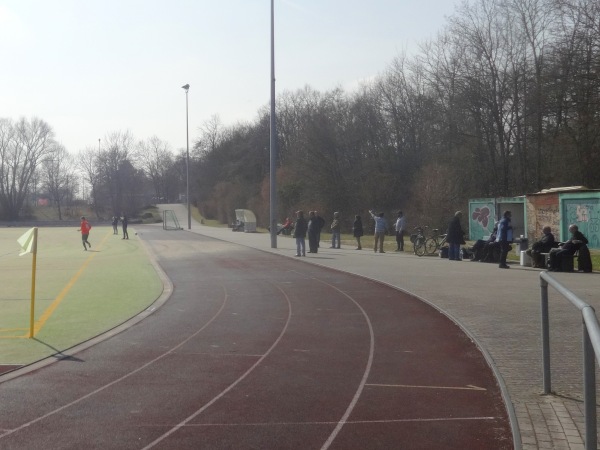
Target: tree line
[504,101]
[120,176]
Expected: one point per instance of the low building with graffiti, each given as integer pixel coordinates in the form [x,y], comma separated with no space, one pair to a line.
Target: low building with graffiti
[556,207]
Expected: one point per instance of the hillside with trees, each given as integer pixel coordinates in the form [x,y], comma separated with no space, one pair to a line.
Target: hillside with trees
[504,101]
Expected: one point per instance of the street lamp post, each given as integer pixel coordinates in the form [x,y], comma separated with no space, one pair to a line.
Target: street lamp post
[187,158]
[273,139]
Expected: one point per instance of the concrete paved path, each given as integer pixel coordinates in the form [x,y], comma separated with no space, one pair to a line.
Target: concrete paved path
[501,310]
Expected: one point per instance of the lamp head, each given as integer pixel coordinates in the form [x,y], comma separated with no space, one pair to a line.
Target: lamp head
[186,87]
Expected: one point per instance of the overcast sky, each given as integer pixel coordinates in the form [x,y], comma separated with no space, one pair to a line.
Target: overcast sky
[90,67]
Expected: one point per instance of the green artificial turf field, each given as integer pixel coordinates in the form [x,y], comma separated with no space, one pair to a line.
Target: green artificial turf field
[79,294]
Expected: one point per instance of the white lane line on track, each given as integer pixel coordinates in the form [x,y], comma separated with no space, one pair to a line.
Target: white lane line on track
[468,387]
[362,383]
[124,377]
[184,422]
[349,422]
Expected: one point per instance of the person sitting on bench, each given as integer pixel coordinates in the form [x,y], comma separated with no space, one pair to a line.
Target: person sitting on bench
[544,245]
[481,248]
[566,250]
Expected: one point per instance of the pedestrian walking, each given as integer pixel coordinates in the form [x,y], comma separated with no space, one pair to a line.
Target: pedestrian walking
[115,224]
[300,233]
[85,228]
[357,231]
[400,228]
[124,223]
[336,231]
[380,228]
[455,237]
[505,237]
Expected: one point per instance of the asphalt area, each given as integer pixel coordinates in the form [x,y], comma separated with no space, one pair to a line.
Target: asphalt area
[258,351]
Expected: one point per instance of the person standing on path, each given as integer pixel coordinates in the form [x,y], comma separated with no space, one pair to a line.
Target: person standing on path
[357,231]
[313,232]
[400,227]
[335,231]
[505,237]
[455,237]
[115,224]
[300,233]
[380,228]
[124,223]
[320,224]
[85,228]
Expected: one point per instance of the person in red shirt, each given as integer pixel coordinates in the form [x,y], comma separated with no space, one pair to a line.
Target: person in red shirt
[85,228]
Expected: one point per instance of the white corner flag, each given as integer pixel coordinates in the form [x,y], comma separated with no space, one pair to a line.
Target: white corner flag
[28,242]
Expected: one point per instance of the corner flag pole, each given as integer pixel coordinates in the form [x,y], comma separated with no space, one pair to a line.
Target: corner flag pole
[33,269]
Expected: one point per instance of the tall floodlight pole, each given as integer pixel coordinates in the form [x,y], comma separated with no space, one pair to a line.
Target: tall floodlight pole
[187,158]
[273,158]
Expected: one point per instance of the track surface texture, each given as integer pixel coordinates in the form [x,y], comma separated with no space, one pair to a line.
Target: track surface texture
[257,351]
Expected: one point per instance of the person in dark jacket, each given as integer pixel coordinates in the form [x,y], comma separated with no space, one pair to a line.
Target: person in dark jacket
[300,233]
[567,249]
[124,223]
[320,224]
[481,249]
[357,231]
[455,237]
[504,238]
[544,245]
[313,232]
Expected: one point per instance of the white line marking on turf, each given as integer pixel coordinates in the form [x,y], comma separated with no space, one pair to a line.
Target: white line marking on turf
[124,377]
[468,387]
[362,383]
[232,385]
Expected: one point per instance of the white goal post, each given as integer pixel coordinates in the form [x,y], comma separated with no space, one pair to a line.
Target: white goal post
[170,221]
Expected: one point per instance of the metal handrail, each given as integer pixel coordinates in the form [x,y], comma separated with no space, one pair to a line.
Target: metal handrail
[591,352]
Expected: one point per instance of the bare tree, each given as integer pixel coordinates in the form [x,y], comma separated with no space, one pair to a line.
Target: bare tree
[23,145]
[58,177]
[156,159]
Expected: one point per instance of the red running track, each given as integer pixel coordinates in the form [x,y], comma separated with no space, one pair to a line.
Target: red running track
[257,351]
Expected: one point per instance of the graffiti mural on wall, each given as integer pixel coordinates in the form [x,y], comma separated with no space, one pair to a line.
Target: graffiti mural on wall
[481,220]
[547,215]
[585,213]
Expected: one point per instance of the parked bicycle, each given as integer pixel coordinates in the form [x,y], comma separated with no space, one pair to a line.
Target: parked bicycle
[418,240]
[435,242]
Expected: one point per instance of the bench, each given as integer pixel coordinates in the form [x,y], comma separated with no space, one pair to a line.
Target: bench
[584,260]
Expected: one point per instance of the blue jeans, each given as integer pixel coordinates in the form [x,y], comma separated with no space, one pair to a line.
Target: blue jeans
[300,246]
[454,252]
[335,236]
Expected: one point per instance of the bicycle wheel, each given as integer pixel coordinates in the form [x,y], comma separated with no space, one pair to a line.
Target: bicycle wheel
[420,247]
[431,246]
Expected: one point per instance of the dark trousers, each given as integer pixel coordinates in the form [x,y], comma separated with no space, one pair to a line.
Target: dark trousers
[400,240]
[313,242]
[504,245]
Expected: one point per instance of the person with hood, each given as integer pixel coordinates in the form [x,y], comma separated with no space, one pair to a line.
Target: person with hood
[336,231]
[357,231]
[300,233]
[85,228]
[455,237]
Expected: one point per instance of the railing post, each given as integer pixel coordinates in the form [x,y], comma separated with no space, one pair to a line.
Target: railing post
[545,337]
[589,391]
